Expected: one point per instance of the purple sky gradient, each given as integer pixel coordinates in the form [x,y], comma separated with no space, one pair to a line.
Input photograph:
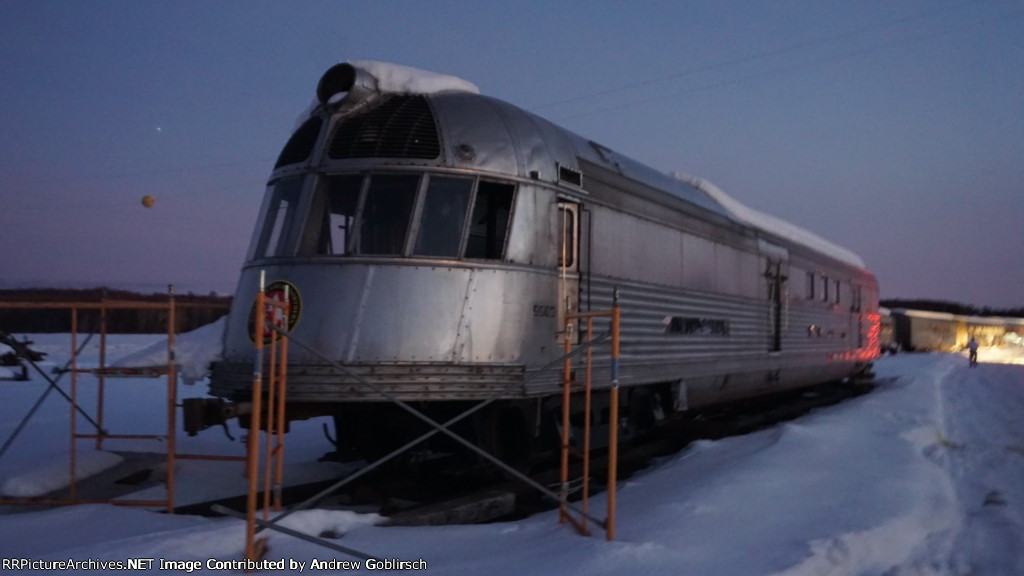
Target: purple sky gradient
[895,129]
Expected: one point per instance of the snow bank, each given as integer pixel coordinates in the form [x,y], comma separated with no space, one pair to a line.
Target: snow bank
[769,223]
[920,477]
[55,474]
[193,352]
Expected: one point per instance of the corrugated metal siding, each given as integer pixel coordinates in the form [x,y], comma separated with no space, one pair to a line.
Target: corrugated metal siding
[645,309]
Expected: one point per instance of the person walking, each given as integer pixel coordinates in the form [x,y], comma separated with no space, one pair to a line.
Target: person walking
[973,347]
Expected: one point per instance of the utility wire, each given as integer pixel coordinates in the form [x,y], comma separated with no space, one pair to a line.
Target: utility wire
[754,57]
[785,69]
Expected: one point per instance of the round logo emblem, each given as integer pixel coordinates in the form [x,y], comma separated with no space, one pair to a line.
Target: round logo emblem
[282,310]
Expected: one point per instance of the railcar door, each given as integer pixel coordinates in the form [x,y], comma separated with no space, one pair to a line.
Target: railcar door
[568,265]
[776,274]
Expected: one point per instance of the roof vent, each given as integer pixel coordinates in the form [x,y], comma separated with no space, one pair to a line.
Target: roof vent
[400,127]
[301,144]
[570,176]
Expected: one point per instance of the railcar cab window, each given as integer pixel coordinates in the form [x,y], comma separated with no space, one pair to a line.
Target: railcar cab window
[430,215]
[443,217]
[489,222]
[332,215]
[384,220]
[279,219]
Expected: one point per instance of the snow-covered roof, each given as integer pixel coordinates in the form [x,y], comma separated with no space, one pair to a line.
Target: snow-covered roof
[769,223]
[388,78]
[923,314]
[395,78]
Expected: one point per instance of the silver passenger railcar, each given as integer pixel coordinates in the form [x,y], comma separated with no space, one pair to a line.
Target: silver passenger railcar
[432,239]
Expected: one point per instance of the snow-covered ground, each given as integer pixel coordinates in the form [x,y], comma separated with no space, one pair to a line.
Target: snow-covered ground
[924,476]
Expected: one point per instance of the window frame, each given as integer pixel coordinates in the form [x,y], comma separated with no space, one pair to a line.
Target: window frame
[319,206]
[421,202]
[472,210]
[308,198]
[364,194]
[290,228]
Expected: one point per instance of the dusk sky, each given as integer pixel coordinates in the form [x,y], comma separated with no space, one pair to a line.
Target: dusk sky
[892,128]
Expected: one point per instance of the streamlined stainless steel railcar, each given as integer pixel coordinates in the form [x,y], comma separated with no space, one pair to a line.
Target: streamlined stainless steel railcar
[432,241]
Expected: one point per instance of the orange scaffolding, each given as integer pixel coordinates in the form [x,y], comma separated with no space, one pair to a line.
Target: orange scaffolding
[277,341]
[101,373]
[613,418]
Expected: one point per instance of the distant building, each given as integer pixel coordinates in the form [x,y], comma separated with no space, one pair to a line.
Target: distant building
[921,330]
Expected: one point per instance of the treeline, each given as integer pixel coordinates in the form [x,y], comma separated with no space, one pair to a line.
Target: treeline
[952,308]
[191,311]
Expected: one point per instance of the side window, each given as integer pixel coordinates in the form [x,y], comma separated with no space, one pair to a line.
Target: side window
[835,295]
[332,215]
[567,235]
[824,288]
[488,225]
[443,216]
[384,221]
[277,225]
[810,285]
[855,305]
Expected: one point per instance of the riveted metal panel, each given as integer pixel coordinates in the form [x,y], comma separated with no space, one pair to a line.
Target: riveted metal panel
[476,137]
[499,321]
[533,237]
[407,381]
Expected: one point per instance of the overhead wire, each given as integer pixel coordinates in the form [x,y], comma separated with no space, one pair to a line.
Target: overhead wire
[781,70]
[753,57]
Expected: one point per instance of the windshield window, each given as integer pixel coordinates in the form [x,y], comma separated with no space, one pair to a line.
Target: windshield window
[489,224]
[443,217]
[376,214]
[278,223]
[384,221]
[332,215]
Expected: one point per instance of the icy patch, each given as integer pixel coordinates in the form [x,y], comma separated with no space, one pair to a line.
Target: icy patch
[193,352]
[334,523]
[770,223]
[56,474]
[893,548]
[8,372]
